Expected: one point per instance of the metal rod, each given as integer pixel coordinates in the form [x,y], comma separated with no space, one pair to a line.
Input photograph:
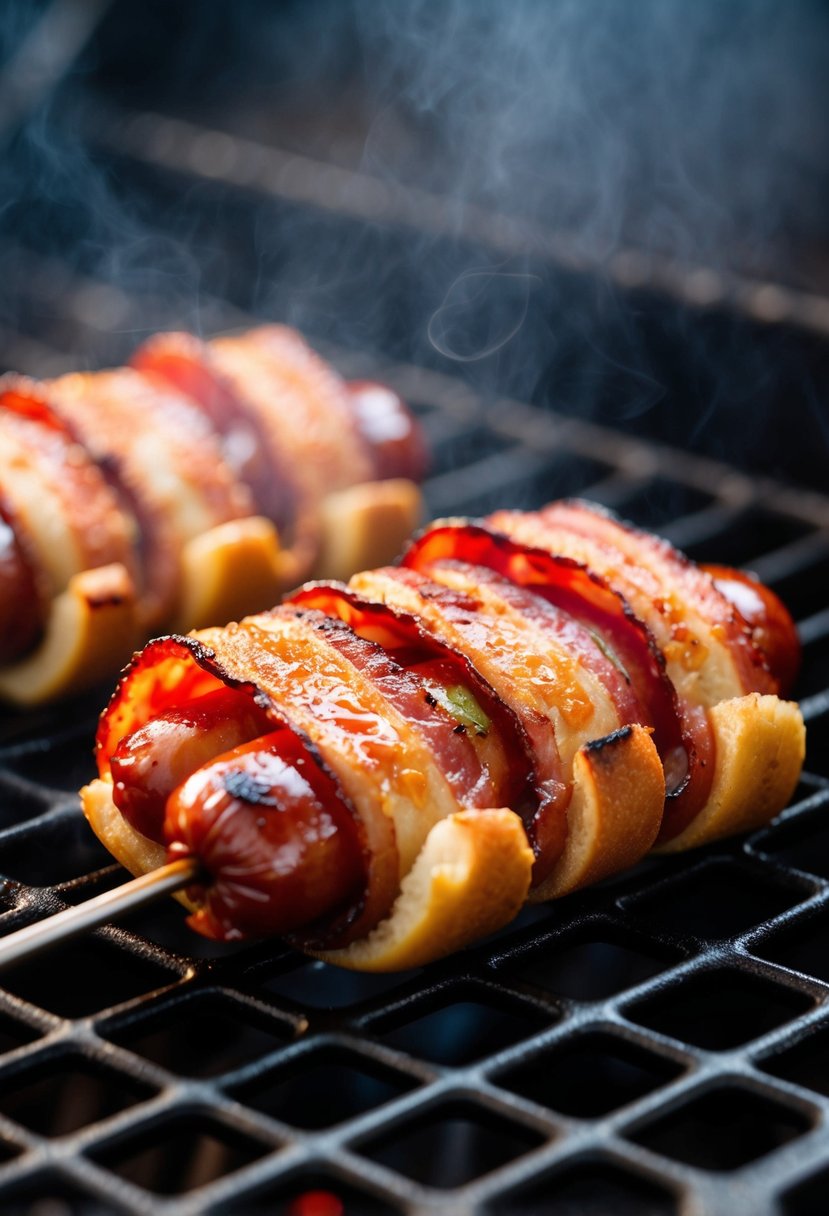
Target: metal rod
[43,934]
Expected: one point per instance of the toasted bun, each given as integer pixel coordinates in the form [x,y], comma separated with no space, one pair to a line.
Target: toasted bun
[229,571]
[366,525]
[470,878]
[614,814]
[136,853]
[91,630]
[760,746]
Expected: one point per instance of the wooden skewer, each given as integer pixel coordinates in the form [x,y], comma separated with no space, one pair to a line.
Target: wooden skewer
[43,934]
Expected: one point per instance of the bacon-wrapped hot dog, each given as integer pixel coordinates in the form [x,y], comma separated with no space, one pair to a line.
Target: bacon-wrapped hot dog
[198,484]
[727,664]
[387,770]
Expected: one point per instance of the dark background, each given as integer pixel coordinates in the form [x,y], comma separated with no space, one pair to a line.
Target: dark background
[615,210]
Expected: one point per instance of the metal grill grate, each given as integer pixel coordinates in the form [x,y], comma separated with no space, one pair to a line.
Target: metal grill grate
[655,1044]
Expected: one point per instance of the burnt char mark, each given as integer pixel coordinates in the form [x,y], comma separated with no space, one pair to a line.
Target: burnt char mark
[323,622]
[247,788]
[204,655]
[331,624]
[96,602]
[597,746]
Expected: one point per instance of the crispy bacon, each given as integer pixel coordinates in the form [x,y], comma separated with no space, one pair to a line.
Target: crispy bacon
[680,731]
[308,754]
[488,767]
[665,583]
[496,650]
[186,364]
[383,768]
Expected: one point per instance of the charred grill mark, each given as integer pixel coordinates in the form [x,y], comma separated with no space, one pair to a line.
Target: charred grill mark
[597,746]
[247,788]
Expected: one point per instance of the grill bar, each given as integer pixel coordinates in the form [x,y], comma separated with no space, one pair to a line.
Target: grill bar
[186,148]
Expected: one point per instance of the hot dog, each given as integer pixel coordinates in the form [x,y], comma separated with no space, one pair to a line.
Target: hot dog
[213,475]
[418,752]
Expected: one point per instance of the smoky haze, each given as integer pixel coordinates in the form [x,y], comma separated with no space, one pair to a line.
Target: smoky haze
[691,128]
[695,131]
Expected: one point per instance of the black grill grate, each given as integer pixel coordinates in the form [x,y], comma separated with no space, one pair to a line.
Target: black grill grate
[658,1042]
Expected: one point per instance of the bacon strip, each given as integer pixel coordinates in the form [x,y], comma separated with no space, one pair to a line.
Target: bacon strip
[600,610]
[709,650]
[164,458]
[246,459]
[302,406]
[383,768]
[497,649]
[547,659]
[250,448]
[55,490]
[495,772]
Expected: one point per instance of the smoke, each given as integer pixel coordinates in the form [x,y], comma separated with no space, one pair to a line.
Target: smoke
[688,128]
[502,298]
[695,132]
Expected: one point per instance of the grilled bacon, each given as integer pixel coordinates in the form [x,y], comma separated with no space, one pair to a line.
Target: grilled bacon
[388,769]
[214,474]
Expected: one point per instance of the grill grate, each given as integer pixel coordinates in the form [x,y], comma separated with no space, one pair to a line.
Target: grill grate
[658,1042]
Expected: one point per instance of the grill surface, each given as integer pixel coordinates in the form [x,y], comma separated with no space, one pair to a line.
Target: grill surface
[657,1045]
[659,1042]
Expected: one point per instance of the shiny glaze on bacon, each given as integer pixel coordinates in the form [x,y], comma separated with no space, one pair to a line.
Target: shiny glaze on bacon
[377,759]
[690,618]
[131,464]
[491,767]
[495,648]
[54,501]
[710,651]
[679,731]
[552,654]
